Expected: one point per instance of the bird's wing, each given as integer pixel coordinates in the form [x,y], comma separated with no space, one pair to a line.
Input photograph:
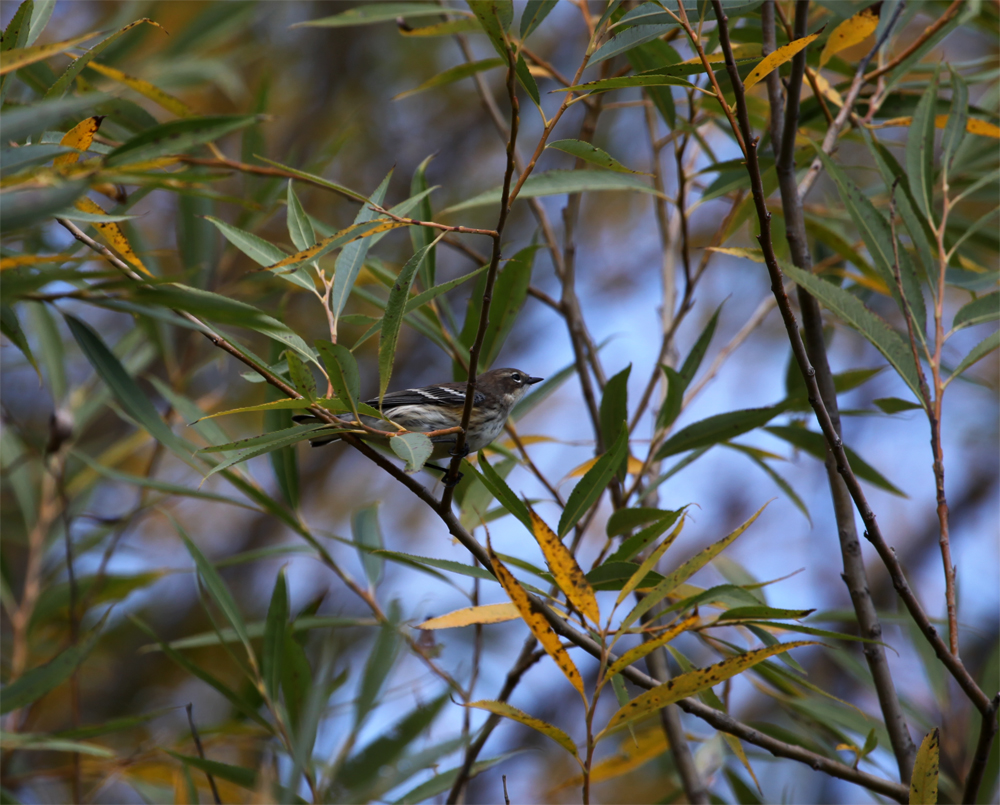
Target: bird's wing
[444,395]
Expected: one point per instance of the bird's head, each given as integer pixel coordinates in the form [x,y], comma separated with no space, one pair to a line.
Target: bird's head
[509,385]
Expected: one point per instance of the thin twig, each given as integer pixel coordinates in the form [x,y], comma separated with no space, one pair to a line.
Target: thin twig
[463,230]
[987,732]
[201,752]
[928,32]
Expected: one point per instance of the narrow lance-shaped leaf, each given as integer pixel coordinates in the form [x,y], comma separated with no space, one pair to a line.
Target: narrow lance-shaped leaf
[144,88]
[718,428]
[849,308]
[274,636]
[342,369]
[692,682]
[352,257]
[593,484]
[590,153]
[451,75]
[301,375]
[498,487]
[79,137]
[685,571]
[300,229]
[774,60]
[534,12]
[507,711]
[533,617]
[629,38]
[176,137]
[954,130]
[920,149]
[850,32]
[393,319]
[650,561]
[565,570]
[376,12]
[977,353]
[614,412]
[11,327]
[487,613]
[626,82]
[420,236]
[16,58]
[367,536]
[112,233]
[635,654]
[985,308]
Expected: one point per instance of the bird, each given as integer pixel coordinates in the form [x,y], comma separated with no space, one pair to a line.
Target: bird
[439,406]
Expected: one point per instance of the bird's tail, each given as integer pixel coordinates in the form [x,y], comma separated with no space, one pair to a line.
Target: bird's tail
[319,441]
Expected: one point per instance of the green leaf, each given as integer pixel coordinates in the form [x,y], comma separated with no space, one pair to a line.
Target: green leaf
[360,770]
[684,572]
[557,182]
[877,235]
[893,405]
[413,448]
[614,412]
[718,428]
[590,153]
[176,137]
[13,160]
[586,493]
[920,149]
[312,177]
[674,400]
[631,547]
[495,483]
[36,682]
[259,445]
[985,308]
[626,82]
[300,229]
[815,445]
[24,207]
[302,377]
[954,130]
[296,678]
[342,369]
[393,319]
[421,236]
[628,39]
[262,252]
[274,636]
[756,612]
[443,564]
[452,75]
[614,576]
[978,352]
[368,538]
[125,390]
[352,256]
[697,354]
[871,326]
[376,12]
[217,589]
[42,742]
[380,662]
[652,13]
[442,782]
[11,327]
[243,777]
[782,484]
[625,520]
[38,117]
[420,299]
[534,12]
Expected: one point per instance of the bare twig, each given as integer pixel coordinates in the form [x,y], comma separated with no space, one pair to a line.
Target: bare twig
[462,230]
[987,732]
[201,752]
[927,33]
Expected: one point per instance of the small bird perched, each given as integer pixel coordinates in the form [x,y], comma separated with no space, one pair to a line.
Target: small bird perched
[440,406]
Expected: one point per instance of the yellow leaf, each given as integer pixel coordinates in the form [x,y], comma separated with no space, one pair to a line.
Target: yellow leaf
[651,744]
[924,782]
[148,165]
[850,32]
[973,126]
[684,685]
[306,254]
[21,57]
[583,468]
[827,89]
[144,88]
[648,646]
[505,710]
[774,60]
[565,569]
[737,747]
[488,613]
[79,137]
[757,255]
[19,260]
[112,233]
[634,465]
[871,283]
[650,563]
[532,615]
[526,440]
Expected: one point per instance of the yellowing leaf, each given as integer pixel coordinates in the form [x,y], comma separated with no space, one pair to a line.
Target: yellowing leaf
[144,88]
[757,255]
[532,615]
[342,238]
[79,137]
[827,89]
[21,57]
[737,747]
[577,472]
[647,647]
[973,126]
[112,233]
[774,60]
[634,466]
[505,710]
[19,260]
[633,754]
[488,613]
[924,782]
[565,569]
[850,32]
[684,685]
[747,51]
[649,563]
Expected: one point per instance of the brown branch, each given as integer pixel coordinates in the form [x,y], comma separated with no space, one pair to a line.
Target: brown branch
[260,170]
[987,732]
[928,32]
[463,230]
[477,345]
[835,443]
[201,753]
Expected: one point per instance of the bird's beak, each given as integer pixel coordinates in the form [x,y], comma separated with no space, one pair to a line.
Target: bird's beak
[533,380]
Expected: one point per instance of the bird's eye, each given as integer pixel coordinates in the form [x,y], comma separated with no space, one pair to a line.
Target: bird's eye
[516,377]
